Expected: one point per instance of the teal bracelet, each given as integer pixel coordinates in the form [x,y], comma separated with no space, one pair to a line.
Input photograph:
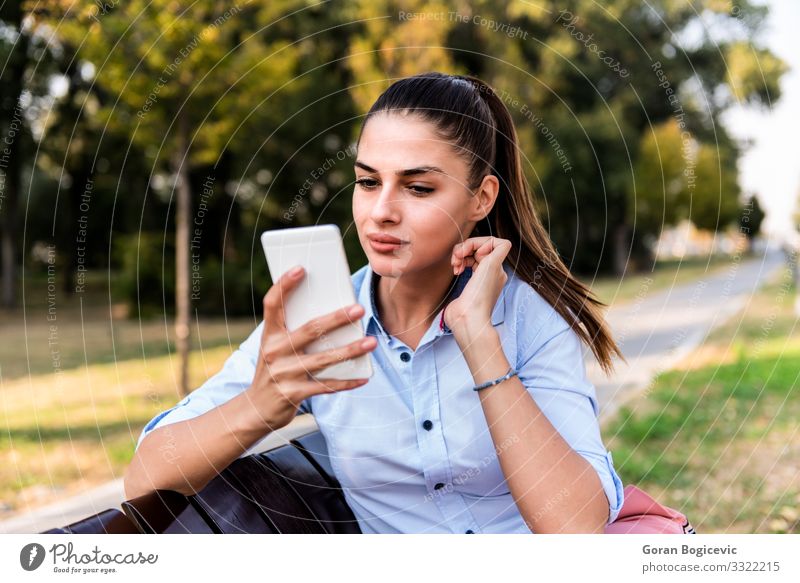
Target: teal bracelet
[511,372]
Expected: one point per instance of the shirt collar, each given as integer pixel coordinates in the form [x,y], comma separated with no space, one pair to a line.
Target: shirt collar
[368,292]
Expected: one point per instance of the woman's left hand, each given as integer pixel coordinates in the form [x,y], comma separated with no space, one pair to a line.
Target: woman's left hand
[472,309]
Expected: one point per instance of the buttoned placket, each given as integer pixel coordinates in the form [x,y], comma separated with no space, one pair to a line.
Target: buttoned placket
[418,371]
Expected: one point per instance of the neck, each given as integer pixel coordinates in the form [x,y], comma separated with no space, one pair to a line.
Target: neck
[410,303]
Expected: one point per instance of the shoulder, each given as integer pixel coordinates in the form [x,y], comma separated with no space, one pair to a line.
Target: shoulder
[535,319]
[529,307]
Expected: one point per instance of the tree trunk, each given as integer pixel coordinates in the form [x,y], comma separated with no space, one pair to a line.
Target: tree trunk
[183,190]
[9,244]
[621,248]
[81,178]
[10,153]
[232,224]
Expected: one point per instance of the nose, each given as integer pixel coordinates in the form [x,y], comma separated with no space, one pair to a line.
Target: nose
[385,208]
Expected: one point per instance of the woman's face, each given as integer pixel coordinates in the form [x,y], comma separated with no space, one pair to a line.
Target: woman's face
[413,186]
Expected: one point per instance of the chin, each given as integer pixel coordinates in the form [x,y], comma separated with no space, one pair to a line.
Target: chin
[388,265]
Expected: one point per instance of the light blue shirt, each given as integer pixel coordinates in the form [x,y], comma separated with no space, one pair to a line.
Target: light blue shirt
[412,448]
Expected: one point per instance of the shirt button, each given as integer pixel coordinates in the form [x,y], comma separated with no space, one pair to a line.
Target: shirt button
[438,486]
[427,424]
[469,531]
[405,356]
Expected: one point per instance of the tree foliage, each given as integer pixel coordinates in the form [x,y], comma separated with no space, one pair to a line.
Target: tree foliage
[618,106]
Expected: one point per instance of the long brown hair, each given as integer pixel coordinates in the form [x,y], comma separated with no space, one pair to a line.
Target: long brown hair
[470,115]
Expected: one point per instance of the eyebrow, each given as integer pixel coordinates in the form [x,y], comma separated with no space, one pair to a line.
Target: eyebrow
[407,172]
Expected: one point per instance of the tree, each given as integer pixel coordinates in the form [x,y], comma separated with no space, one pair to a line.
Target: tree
[22,51]
[676,178]
[598,93]
[187,79]
[659,194]
[715,200]
[750,219]
[594,80]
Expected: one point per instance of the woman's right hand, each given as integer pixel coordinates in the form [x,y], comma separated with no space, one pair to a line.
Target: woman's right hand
[283,372]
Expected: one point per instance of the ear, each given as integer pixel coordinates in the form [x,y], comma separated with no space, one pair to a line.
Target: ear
[484,198]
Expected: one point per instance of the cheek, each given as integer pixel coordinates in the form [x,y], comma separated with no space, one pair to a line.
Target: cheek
[436,226]
[434,219]
[359,208]
[438,222]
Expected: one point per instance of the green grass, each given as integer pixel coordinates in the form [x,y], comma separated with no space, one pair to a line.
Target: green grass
[93,328]
[717,438]
[63,432]
[72,423]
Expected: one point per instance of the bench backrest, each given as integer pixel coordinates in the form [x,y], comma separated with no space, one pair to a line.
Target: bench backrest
[287,489]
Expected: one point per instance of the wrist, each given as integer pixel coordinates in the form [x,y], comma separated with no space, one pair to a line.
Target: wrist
[249,420]
[479,345]
[468,332]
[486,358]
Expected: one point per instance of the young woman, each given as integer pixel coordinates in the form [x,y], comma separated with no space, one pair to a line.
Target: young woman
[479,417]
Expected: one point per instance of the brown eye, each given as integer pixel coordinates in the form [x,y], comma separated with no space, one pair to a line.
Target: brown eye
[420,189]
[367,183]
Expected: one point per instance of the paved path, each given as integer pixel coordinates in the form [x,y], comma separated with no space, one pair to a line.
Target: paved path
[654,331]
[658,329]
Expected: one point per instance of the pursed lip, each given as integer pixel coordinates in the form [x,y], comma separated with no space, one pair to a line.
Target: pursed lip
[381,238]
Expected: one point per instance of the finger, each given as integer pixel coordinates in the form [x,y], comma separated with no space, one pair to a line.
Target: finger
[317,327]
[479,250]
[486,249]
[480,246]
[274,313]
[491,247]
[468,247]
[313,387]
[462,265]
[299,365]
[312,363]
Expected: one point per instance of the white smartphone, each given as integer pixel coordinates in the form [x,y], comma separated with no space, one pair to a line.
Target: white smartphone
[326,287]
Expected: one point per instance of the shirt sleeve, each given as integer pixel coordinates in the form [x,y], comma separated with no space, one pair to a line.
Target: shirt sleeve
[554,373]
[235,376]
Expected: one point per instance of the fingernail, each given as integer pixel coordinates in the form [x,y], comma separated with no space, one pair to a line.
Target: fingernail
[296,271]
[354,310]
[367,342]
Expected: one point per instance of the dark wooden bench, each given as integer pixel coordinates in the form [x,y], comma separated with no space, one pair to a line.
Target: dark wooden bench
[288,489]
[292,489]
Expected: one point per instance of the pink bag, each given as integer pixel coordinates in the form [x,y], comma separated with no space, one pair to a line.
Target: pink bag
[640,514]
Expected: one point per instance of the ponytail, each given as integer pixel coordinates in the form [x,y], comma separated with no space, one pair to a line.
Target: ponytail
[469,113]
[514,217]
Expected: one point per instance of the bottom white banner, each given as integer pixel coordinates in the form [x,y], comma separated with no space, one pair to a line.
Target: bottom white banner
[503,558]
